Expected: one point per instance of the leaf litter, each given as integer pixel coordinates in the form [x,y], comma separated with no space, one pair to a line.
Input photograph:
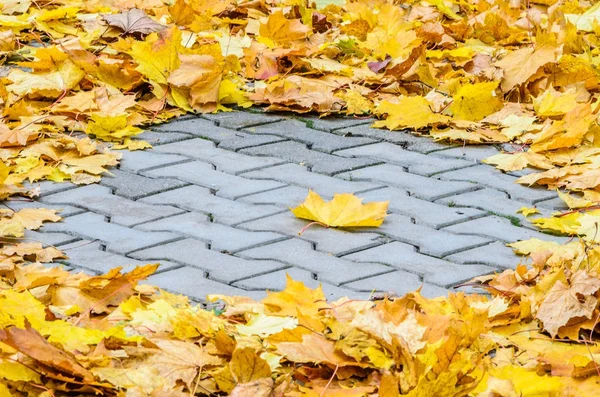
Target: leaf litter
[513,73]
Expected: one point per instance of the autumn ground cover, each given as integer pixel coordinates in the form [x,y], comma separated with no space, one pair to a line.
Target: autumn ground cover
[80,79]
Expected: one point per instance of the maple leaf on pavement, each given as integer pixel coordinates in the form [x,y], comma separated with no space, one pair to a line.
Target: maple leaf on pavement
[345,210]
[134,21]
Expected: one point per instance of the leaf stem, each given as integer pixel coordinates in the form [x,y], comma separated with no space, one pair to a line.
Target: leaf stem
[311,224]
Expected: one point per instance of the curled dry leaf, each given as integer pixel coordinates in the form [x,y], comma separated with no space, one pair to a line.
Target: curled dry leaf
[134,21]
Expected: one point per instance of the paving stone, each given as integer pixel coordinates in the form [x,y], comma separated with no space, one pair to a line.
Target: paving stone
[332,123]
[424,212]
[221,237]
[239,120]
[432,270]
[63,210]
[226,138]
[334,241]
[417,163]
[220,267]
[157,138]
[192,282]
[199,199]
[89,255]
[434,242]
[491,177]
[496,254]
[53,239]
[553,204]
[276,281]
[122,211]
[120,239]
[398,283]
[403,138]
[499,229]
[285,197]
[47,187]
[134,186]
[473,154]
[298,175]
[224,160]
[225,185]
[139,160]
[323,163]
[298,253]
[317,140]
[417,185]
[492,201]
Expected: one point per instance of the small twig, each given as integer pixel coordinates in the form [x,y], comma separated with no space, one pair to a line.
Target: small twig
[330,380]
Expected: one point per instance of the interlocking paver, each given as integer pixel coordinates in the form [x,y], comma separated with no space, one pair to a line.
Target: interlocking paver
[499,229]
[203,174]
[275,281]
[220,267]
[331,269]
[422,211]
[473,154]
[138,161]
[430,241]
[221,237]
[62,209]
[226,138]
[323,163]
[417,185]
[398,283]
[402,138]
[317,140]
[416,163]
[119,239]
[492,201]
[239,120]
[334,241]
[298,175]
[224,160]
[333,123]
[193,283]
[433,270]
[199,199]
[285,197]
[491,177]
[496,254]
[89,255]
[553,204]
[122,211]
[160,138]
[134,186]
[54,239]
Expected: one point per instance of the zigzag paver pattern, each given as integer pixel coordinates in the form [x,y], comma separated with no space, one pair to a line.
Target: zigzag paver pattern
[210,203]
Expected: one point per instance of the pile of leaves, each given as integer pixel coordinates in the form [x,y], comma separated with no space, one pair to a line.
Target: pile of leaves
[474,71]
[73,334]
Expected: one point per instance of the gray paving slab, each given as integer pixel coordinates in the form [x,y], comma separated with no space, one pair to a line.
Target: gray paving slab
[200,199]
[134,186]
[203,174]
[486,175]
[414,162]
[224,160]
[300,254]
[403,138]
[416,185]
[122,211]
[323,163]
[63,210]
[422,211]
[220,237]
[321,141]
[211,203]
[225,138]
[333,241]
[431,270]
[299,175]
[119,239]
[220,267]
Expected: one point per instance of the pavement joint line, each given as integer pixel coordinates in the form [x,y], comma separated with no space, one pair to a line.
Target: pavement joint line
[470,247]
[156,167]
[182,211]
[359,167]
[145,247]
[239,225]
[258,168]
[252,146]
[456,222]
[278,269]
[159,191]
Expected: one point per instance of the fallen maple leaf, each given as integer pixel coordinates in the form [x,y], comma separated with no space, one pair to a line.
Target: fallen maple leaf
[134,21]
[345,210]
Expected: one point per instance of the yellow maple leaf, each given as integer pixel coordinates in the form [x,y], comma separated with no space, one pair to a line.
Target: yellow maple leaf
[528,211]
[345,210]
[409,112]
[475,101]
